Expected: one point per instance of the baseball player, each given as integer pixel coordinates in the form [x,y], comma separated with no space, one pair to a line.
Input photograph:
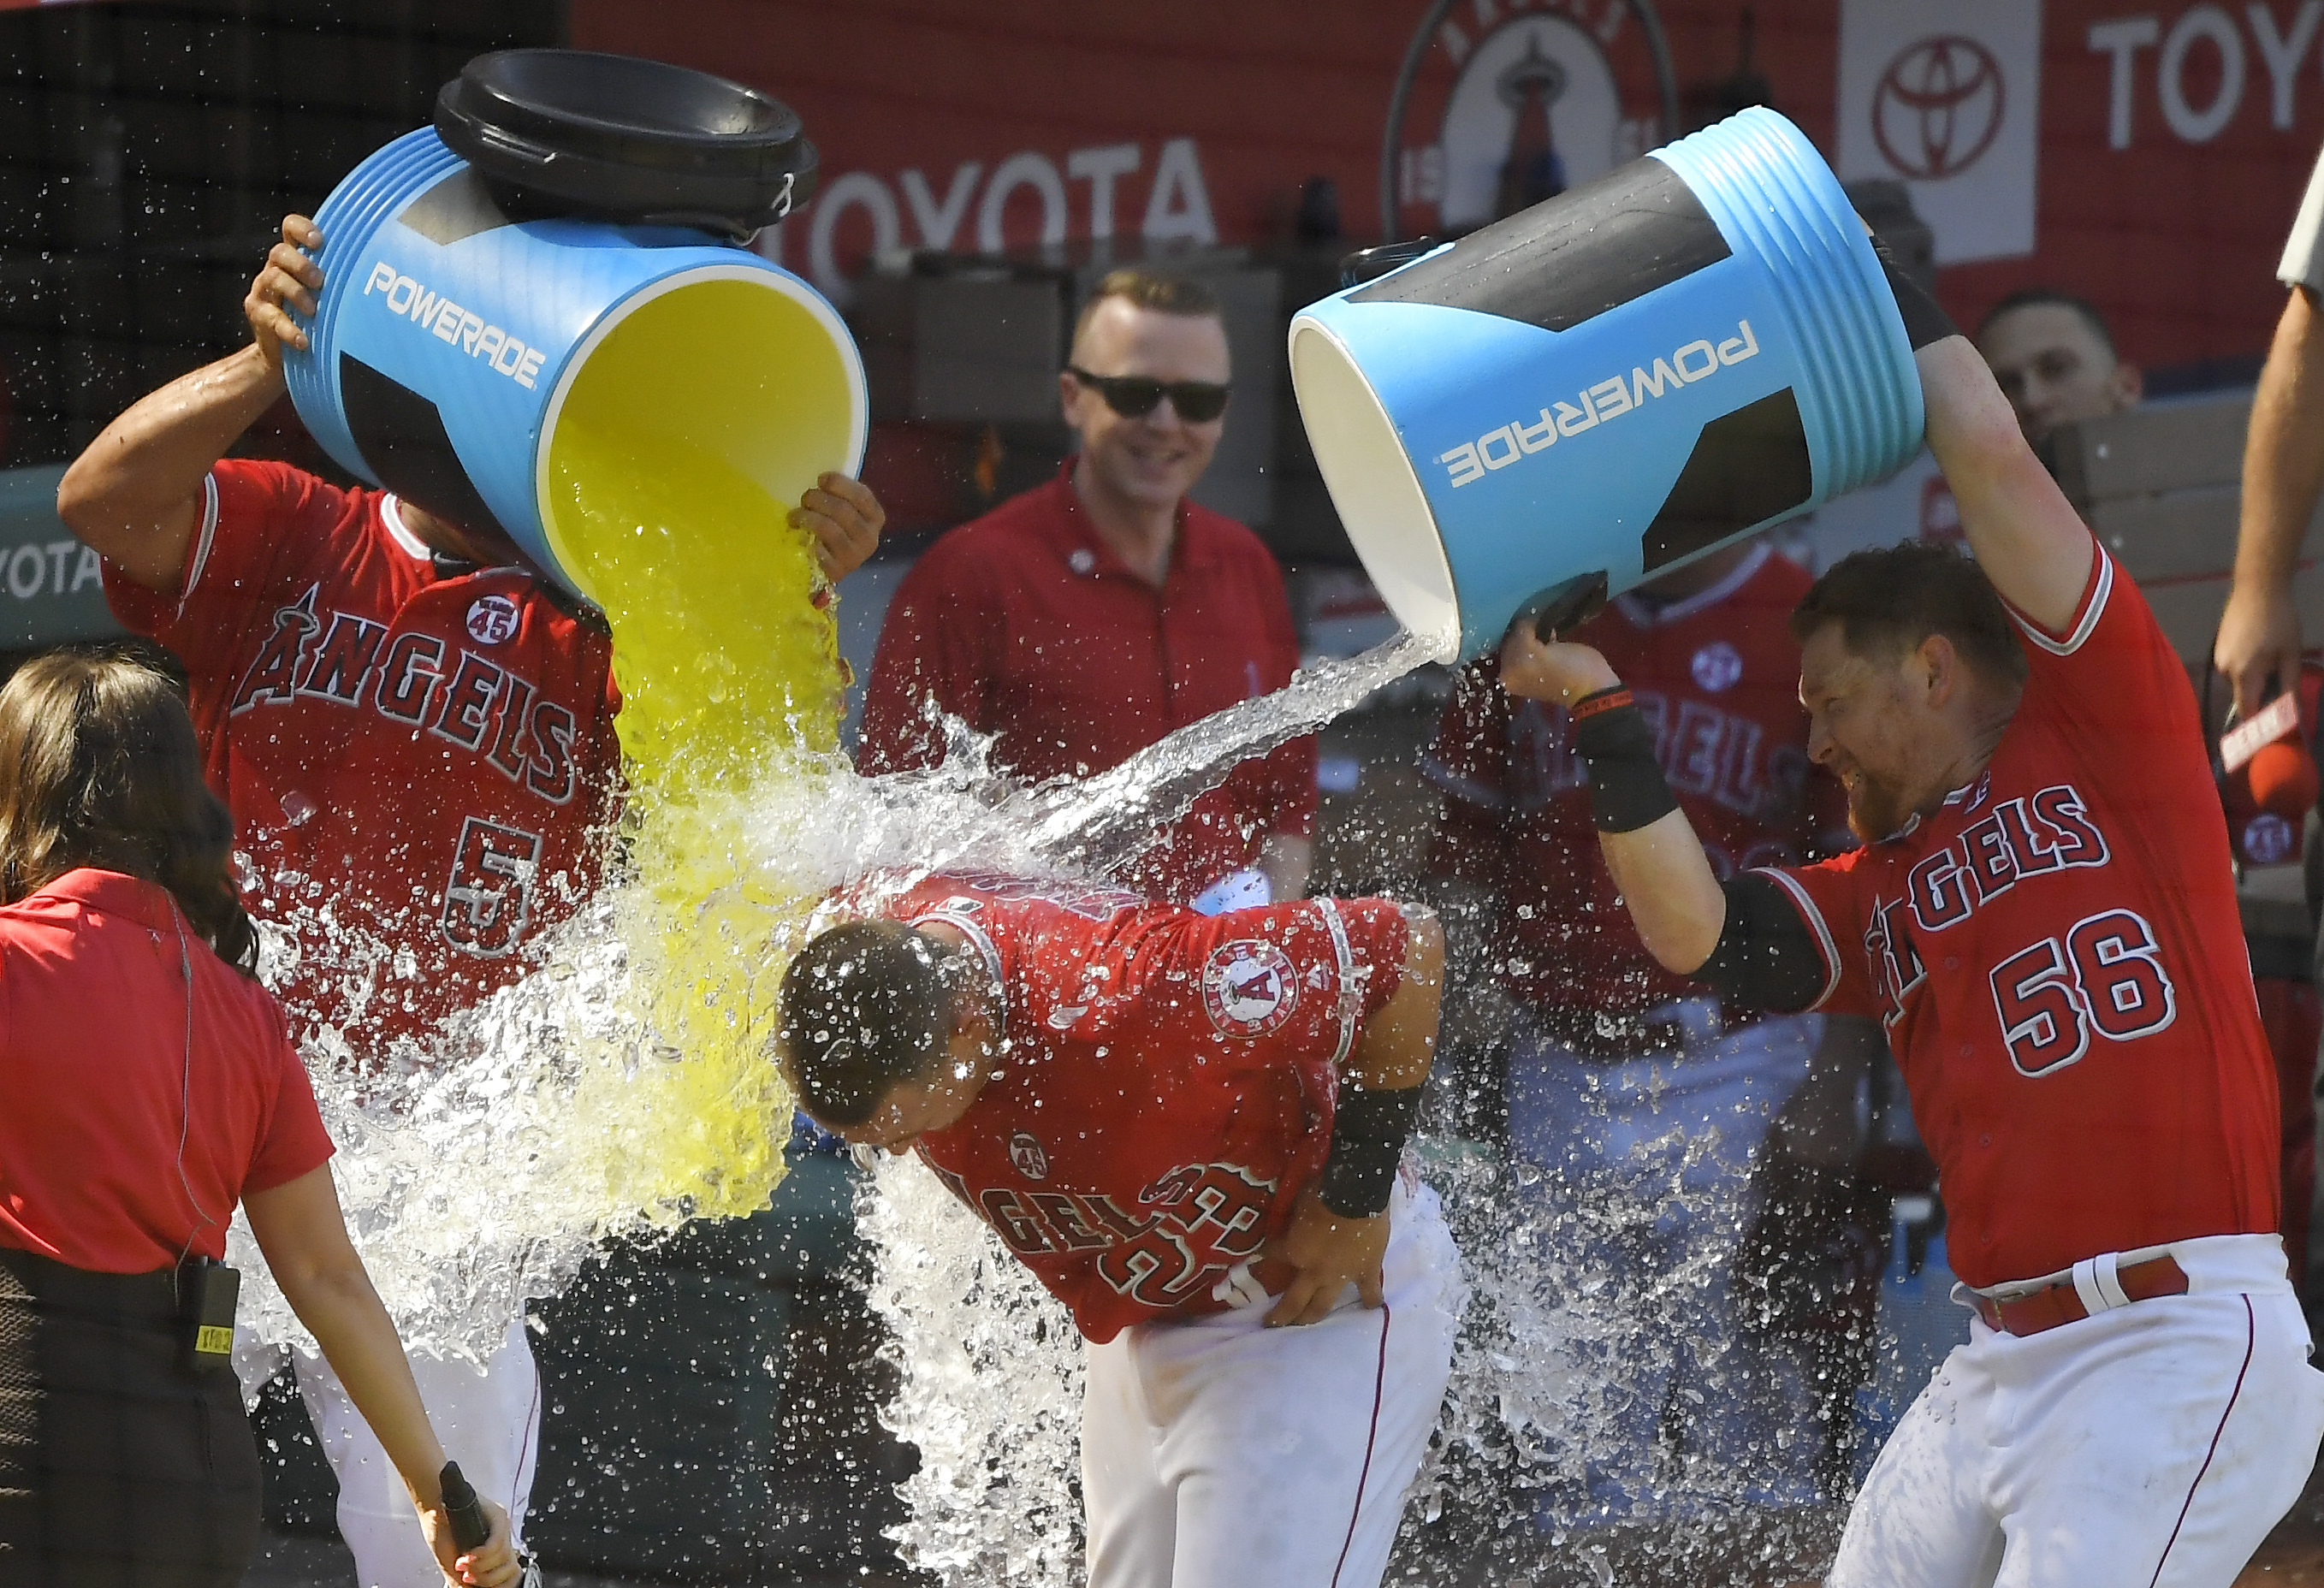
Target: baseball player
[1189,1128]
[416,738]
[2043,914]
[1626,1082]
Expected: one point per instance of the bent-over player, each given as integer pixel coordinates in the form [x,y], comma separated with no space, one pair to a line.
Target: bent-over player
[2044,916]
[1189,1128]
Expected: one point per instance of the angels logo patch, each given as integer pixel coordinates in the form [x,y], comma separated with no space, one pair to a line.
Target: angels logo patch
[1249,987]
[1026,1152]
[492,618]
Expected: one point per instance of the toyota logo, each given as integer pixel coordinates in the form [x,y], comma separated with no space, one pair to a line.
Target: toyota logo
[1938,106]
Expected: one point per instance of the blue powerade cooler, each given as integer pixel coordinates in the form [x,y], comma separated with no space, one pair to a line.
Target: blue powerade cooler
[1573,400]
[571,212]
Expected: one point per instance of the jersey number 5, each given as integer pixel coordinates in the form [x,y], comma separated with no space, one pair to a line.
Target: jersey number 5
[2108,976]
[490,894]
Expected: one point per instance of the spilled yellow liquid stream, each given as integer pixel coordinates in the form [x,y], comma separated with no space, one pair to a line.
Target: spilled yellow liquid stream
[730,677]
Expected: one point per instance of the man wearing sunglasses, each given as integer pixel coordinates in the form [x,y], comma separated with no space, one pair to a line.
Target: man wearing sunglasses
[1085,619]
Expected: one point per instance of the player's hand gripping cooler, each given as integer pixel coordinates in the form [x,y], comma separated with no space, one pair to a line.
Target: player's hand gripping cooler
[1581,397]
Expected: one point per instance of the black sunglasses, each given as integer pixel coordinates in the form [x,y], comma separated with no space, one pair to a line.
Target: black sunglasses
[1136,396]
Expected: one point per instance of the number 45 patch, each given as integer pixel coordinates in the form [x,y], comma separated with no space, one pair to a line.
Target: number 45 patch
[490,894]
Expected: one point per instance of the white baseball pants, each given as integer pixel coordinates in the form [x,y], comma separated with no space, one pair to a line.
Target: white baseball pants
[489,1422]
[1219,1454]
[2149,1446]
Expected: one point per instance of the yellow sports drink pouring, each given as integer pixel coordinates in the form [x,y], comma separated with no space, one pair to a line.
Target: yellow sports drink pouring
[539,320]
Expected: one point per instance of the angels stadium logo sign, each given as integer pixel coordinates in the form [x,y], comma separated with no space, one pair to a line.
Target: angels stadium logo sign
[1503,105]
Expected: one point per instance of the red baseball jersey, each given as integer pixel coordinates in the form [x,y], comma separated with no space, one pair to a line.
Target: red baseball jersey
[416,757]
[2057,955]
[1169,1086]
[1025,625]
[1716,674]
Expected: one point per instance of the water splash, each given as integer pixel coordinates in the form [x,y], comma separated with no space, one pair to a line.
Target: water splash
[623,1086]
[989,1389]
[1096,827]
[473,1186]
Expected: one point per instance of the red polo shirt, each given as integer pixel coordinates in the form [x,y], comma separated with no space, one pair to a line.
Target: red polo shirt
[1025,625]
[98,1078]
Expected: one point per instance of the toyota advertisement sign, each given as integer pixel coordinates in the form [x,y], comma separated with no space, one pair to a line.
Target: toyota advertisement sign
[1947,98]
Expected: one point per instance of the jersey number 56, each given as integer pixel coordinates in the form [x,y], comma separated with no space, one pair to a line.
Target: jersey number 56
[2106,976]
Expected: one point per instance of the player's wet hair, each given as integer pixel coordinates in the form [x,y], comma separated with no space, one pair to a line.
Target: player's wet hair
[1160,290]
[2055,298]
[100,766]
[864,1008]
[1890,598]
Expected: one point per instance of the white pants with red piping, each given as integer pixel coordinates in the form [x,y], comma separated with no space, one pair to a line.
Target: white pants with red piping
[2149,1446]
[1219,1454]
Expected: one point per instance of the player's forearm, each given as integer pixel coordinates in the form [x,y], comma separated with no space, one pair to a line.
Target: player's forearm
[2284,450]
[135,484]
[1380,1095]
[2027,537]
[1400,1041]
[1667,884]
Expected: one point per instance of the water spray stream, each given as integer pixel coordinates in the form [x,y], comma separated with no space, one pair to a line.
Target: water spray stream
[622,1086]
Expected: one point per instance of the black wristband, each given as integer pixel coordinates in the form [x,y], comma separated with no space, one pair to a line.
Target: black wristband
[1924,320]
[1369,1130]
[1627,789]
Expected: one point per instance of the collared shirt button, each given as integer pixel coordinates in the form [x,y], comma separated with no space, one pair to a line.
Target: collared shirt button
[1967,1048]
[1952,961]
[1985,1141]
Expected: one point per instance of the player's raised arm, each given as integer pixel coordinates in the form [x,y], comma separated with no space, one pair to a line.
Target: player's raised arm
[135,495]
[1742,936]
[2028,539]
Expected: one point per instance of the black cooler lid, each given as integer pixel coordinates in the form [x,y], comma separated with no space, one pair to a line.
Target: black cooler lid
[641,143]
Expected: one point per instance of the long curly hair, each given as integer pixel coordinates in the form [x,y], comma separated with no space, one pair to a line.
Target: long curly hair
[100,766]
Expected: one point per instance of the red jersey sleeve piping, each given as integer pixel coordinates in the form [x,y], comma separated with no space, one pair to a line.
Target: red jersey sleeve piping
[1351,998]
[205,538]
[2086,616]
[1804,902]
